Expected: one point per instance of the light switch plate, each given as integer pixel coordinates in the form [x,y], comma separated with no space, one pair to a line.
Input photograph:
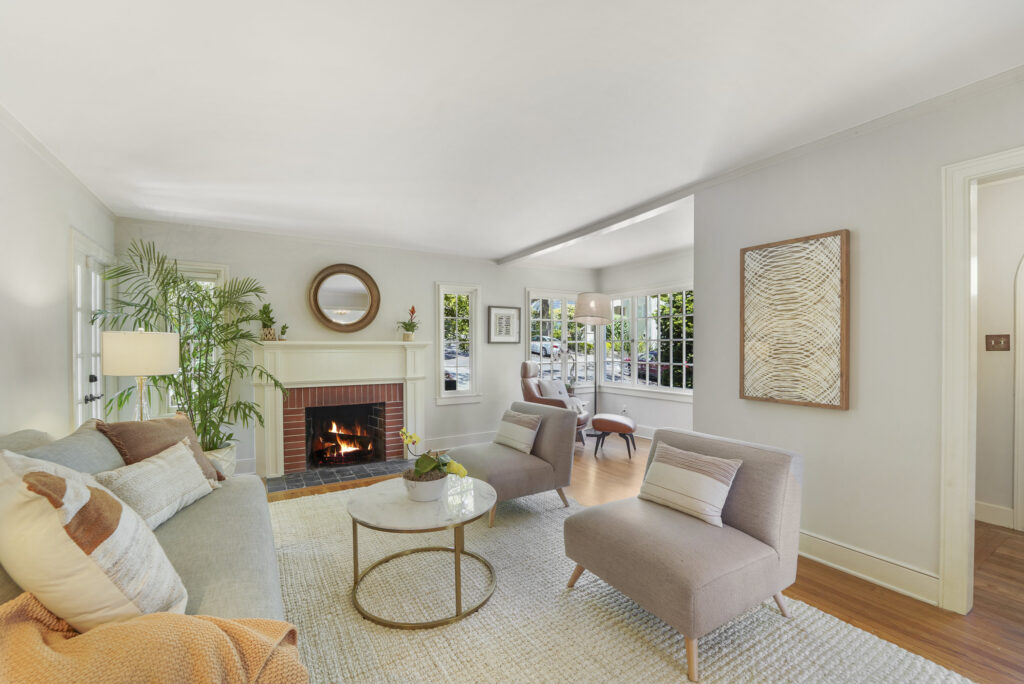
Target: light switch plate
[997,343]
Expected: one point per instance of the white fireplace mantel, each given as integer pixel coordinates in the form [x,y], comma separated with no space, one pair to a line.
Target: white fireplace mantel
[312,364]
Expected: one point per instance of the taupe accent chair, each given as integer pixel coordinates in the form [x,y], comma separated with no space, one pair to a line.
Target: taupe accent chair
[693,575]
[513,473]
[529,373]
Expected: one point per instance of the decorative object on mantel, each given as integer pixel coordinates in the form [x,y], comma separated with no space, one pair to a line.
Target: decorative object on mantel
[410,326]
[344,298]
[140,354]
[795,321]
[267,321]
[284,332]
[503,324]
[425,481]
[216,341]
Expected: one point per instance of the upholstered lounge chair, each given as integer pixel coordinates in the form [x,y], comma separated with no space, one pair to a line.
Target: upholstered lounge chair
[513,473]
[529,373]
[693,575]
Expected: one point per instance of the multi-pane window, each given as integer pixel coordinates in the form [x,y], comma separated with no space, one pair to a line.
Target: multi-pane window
[457,308]
[564,348]
[650,341]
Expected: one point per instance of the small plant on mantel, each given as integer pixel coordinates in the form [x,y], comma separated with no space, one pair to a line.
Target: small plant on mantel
[430,465]
[410,326]
[266,315]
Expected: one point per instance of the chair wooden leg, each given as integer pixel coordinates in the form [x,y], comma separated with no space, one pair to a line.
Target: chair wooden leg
[781,604]
[562,494]
[575,576]
[490,518]
[691,659]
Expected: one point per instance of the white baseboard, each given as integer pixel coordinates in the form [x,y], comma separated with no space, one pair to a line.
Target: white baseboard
[885,572]
[452,441]
[993,514]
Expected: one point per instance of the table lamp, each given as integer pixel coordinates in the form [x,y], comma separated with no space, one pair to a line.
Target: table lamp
[140,354]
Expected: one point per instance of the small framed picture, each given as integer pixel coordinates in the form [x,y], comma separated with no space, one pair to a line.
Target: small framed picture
[503,324]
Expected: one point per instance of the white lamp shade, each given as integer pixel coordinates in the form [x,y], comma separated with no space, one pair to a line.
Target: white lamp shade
[593,308]
[140,353]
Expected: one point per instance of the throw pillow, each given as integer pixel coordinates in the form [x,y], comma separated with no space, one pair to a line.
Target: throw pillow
[690,483]
[518,430]
[138,440]
[159,486]
[85,555]
[553,388]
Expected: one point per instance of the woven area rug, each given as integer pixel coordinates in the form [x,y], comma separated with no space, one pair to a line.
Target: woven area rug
[533,629]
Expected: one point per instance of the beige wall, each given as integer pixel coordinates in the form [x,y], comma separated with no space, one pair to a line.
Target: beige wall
[872,473]
[1000,250]
[285,265]
[40,202]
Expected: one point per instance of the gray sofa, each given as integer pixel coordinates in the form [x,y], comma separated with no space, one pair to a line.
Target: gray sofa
[696,576]
[222,545]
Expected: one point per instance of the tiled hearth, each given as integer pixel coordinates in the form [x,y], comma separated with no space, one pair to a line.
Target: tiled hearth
[390,395]
[322,476]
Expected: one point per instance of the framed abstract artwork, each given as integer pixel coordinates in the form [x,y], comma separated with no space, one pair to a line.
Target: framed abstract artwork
[503,324]
[795,321]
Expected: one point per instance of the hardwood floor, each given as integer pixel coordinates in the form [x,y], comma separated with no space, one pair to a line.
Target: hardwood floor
[986,646]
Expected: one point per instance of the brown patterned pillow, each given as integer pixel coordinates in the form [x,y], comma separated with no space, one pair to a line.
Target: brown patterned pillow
[85,555]
[138,440]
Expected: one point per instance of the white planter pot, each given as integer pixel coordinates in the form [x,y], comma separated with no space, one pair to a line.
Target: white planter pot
[408,337]
[224,459]
[431,490]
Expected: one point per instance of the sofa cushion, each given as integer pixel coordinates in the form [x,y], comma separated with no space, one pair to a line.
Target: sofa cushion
[86,556]
[518,430]
[690,483]
[23,440]
[223,548]
[159,486]
[690,574]
[512,473]
[84,450]
[137,440]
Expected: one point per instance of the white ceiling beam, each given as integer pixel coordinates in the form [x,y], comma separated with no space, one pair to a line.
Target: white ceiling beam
[627,217]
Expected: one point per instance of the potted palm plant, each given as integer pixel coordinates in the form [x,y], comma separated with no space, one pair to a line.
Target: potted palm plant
[215,325]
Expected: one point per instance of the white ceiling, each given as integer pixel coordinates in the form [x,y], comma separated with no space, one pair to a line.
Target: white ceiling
[469,126]
[660,234]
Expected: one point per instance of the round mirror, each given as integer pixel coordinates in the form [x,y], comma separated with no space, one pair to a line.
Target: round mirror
[344,297]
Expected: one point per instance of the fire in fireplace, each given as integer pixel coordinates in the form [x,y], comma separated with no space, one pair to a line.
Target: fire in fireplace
[341,435]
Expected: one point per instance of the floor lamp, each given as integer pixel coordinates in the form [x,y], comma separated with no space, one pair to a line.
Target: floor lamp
[594,308]
[140,354]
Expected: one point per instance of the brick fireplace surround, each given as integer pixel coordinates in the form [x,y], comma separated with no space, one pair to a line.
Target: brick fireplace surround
[300,398]
[335,373]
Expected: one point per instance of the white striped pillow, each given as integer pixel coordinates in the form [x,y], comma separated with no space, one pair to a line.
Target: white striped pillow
[518,430]
[690,483]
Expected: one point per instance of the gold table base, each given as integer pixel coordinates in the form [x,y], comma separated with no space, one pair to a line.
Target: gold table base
[458,550]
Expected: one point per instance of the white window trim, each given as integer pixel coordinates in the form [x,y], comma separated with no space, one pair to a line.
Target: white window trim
[204,271]
[681,394]
[472,395]
[544,293]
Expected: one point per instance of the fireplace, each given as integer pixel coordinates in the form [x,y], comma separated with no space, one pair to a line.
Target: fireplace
[343,435]
[367,417]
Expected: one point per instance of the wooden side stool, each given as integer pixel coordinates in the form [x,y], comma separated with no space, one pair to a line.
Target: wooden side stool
[606,423]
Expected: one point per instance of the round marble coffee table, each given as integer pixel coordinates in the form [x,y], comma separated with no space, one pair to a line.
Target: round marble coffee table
[384,506]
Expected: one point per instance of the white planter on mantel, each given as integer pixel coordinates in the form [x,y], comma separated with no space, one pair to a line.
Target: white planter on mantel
[314,364]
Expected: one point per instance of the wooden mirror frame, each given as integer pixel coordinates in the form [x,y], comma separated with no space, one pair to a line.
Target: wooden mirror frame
[356,272]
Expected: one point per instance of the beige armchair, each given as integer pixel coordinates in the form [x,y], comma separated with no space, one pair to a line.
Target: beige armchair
[693,575]
[513,473]
[529,373]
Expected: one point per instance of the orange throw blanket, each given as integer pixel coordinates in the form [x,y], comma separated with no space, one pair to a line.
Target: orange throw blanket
[37,646]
